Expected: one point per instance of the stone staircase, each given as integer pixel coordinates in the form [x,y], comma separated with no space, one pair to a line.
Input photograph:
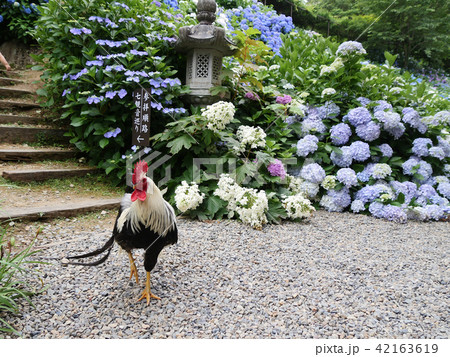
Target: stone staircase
[39,149]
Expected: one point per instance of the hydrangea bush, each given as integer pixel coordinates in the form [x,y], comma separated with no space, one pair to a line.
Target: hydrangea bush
[309,123]
[96,55]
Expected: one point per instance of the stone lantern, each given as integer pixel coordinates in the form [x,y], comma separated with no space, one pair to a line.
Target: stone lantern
[205,46]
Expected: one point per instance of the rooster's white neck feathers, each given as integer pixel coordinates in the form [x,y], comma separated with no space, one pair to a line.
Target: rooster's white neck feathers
[154,212]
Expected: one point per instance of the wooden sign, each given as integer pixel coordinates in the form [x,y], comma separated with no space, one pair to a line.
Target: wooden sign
[141,118]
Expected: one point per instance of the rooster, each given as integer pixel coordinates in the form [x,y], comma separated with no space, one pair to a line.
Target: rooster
[145,220]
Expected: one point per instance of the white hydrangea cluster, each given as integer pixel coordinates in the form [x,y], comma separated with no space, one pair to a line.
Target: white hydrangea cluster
[250,136]
[297,185]
[188,197]
[251,205]
[297,206]
[381,171]
[329,182]
[334,67]
[350,48]
[218,115]
[328,91]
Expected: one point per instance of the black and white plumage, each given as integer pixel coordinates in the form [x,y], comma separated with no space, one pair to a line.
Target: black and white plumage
[145,221]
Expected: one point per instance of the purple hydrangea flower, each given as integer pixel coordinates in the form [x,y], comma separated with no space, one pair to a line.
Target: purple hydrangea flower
[313,172]
[65,92]
[360,151]
[110,94]
[94,63]
[409,189]
[347,176]
[340,133]
[307,145]
[75,31]
[276,168]
[94,99]
[368,132]
[122,93]
[251,96]
[330,109]
[359,116]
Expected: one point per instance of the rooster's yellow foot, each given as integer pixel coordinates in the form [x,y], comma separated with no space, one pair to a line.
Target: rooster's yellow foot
[147,293]
[133,268]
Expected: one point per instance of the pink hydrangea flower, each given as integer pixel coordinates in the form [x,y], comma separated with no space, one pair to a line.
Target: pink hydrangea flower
[285,99]
[276,168]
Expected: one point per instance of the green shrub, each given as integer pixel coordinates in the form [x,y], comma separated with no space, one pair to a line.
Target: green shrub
[14,269]
[96,53]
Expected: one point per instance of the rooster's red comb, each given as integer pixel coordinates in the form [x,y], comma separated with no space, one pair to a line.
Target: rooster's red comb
[141,166]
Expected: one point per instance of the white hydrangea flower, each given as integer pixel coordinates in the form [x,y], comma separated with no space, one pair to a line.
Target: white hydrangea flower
[329,182]
[441,179]
[188,197]
[395,90]
[218,115]
[251,205]
[336,65]
[297,206]
[288,86]
[328,91]
[250,136]
[274,67]
[381,171]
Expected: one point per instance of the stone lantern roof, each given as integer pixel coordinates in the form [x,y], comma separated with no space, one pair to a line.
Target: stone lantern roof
[205,35]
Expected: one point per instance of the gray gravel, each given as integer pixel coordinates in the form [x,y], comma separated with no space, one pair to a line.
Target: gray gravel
[334,276]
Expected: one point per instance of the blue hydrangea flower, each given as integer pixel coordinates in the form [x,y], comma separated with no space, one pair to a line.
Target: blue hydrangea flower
[391,123]
[360,151]
[307,145]
[445,145]
[330,110]
[313,126]
[370,193]
[343,159]
[438,152]
[313,172]
[386,150]
[336,201]
[340,133]
[365,174]
[364,101]
[359,116]
[122,93]
[410,166]
[444,189]
[357,206]
[409,189]
[368,132]
[394,214]
[347,176]
[412,117]
[382,106]
[421,146]
[350,48]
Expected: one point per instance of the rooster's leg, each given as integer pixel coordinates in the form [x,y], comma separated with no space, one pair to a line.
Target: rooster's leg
[133,268]
[146,293]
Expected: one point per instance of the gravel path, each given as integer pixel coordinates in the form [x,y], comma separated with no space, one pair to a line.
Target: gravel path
[334,276]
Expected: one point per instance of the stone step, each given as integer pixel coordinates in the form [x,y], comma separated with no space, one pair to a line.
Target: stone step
[5,81]
[41,175]
[15,119]
[13,134]
[57,211]
[7,104]
[36,155]
[13,92]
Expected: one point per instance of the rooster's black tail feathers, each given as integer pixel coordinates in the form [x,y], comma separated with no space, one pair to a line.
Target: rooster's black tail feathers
[106,247]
